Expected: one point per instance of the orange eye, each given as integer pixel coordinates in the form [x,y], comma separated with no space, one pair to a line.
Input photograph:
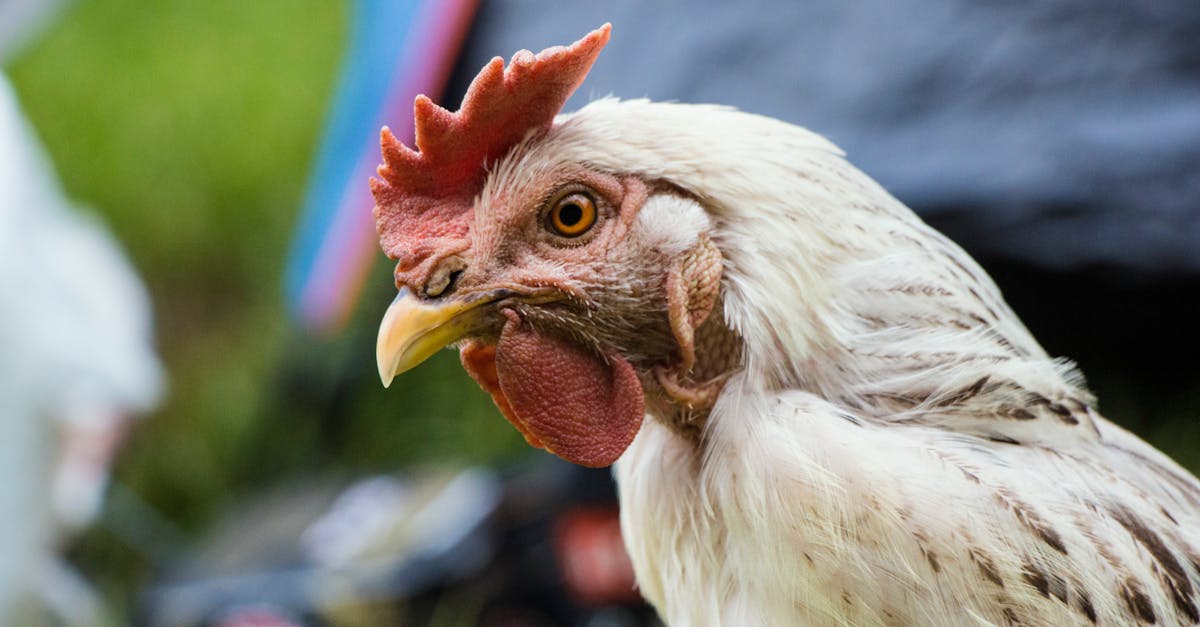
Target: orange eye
[573,215]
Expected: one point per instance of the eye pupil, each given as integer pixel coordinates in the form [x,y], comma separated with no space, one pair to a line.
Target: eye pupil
[570,215]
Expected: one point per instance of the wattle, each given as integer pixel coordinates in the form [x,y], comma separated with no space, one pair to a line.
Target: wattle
[563,397]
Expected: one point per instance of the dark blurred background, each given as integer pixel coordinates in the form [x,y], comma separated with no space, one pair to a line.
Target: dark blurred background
[1058,142]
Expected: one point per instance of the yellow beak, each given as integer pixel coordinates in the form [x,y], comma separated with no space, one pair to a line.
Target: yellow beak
[412,330]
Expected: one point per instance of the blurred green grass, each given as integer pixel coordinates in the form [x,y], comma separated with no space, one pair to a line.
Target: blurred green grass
[190,128]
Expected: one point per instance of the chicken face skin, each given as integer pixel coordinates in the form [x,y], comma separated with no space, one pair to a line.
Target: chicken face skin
[603,288]
[528,304]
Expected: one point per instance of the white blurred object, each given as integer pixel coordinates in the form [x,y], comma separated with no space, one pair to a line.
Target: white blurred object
[422,515]
[76,356]
[20,21]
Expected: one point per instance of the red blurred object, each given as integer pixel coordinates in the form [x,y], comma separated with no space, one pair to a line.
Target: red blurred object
[595,566]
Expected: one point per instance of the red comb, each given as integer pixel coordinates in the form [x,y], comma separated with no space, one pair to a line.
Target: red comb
[423,196]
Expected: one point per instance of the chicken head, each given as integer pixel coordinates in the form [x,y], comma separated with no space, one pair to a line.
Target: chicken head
[574,293]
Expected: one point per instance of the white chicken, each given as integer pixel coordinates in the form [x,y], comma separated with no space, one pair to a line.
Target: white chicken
[77,365]
[844,423]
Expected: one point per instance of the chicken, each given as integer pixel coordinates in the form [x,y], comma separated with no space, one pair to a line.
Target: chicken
[820,410]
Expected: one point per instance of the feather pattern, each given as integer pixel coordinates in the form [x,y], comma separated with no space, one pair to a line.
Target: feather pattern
[895,447]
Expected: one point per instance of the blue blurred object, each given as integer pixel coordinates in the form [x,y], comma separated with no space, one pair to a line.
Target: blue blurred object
[398,49]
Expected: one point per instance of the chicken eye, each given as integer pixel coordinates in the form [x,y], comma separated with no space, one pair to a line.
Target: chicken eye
[573,215]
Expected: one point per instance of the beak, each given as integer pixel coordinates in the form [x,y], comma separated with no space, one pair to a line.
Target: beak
[412,330]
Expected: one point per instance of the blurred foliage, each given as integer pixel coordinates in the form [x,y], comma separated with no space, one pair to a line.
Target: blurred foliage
[190,127]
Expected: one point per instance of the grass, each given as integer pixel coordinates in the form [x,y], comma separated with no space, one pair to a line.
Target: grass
[189,128]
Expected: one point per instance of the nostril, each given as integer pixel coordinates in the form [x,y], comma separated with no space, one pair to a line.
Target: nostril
[453,280]
[444,277]
[442,283]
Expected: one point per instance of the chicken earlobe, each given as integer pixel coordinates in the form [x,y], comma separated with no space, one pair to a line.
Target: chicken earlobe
[693,289]
[563,397]
[693,285]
